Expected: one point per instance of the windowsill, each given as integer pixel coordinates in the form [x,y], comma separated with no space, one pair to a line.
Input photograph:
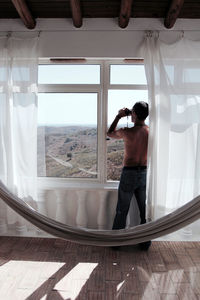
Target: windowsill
[79,184]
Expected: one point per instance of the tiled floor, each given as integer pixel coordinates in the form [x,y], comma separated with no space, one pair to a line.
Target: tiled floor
[44,268]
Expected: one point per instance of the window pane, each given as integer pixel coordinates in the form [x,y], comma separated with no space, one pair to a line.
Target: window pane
[69,74]
[118,99]
[21,74]
[127,74]
[18,74]
[3,74]
[191,75]
[170,73]
[67,135]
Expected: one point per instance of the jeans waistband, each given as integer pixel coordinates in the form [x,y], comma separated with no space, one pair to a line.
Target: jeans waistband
[135,168]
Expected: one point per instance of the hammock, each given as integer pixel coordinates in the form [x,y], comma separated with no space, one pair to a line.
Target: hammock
[181,217]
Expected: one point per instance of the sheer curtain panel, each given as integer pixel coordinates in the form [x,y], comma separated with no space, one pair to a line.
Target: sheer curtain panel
[18,124]
[173,75]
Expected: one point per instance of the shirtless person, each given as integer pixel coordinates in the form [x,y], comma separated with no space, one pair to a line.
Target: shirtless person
[133,177]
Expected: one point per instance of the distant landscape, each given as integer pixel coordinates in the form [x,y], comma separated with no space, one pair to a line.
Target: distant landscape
[71,152]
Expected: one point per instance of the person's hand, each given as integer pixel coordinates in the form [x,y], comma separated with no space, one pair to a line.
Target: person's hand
[122,112]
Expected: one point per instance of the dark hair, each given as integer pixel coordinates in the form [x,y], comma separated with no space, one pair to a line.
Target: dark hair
[141,109]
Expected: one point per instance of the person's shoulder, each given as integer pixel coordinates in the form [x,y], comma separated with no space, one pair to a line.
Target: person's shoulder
[146,130]
[122,130]
[127,131]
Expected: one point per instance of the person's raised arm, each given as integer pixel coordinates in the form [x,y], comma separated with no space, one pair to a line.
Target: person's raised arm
[112,132]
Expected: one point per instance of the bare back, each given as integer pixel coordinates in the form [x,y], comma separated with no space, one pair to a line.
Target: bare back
[135,145]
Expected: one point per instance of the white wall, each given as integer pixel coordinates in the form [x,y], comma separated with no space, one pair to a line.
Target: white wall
[97,38]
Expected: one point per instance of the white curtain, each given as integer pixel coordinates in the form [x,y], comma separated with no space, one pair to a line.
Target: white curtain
[173,75]
[18,124]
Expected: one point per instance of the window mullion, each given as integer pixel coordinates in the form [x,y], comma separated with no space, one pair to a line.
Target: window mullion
[105,83]
[100,136]
[127,87]
[64,88]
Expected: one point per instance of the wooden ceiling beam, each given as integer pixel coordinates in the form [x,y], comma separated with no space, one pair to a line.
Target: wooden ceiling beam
[173,13]
[24,13]
[76,13]
[125,13]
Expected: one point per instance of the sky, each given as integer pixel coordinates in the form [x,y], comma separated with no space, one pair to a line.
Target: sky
[81,108]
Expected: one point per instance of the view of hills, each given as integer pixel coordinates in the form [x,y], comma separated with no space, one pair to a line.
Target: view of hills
[71,152]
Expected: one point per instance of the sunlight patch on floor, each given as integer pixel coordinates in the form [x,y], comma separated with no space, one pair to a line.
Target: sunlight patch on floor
[19,279]
[70,286]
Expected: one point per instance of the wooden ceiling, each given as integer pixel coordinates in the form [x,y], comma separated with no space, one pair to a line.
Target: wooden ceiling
[77,10]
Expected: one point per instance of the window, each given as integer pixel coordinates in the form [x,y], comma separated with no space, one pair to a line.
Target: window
[76,104]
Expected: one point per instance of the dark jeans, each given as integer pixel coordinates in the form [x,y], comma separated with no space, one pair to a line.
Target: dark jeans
[132,181]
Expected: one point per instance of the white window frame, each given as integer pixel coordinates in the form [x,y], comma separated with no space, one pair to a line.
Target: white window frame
[102,106]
